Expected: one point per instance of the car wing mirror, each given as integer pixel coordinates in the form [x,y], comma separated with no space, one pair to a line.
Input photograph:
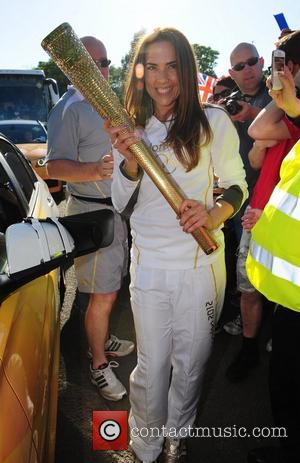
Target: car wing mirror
[90,230]
[36,246]
[38,243]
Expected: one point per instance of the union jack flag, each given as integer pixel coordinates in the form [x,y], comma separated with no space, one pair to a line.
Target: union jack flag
[206,85]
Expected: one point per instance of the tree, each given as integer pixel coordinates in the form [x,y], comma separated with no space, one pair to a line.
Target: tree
[126,60]
[206,59]
[116,81]
[118,75]
[52,70]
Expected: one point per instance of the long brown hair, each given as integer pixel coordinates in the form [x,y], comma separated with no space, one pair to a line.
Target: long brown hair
[190,128]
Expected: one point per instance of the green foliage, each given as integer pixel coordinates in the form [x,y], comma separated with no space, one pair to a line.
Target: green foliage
[118,75]
[52,70]
[267,73]
[126,60]
[115,80]
[206,59]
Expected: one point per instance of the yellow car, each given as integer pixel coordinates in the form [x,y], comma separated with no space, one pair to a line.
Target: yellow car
[34,248]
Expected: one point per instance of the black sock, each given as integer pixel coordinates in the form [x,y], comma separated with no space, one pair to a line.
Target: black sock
[249,346]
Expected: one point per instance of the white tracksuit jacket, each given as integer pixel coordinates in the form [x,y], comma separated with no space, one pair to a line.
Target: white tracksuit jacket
[158,239]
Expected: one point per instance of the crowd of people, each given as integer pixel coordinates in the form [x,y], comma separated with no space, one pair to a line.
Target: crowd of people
[226,162]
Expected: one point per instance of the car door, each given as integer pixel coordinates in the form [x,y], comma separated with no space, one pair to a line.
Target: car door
[29,326]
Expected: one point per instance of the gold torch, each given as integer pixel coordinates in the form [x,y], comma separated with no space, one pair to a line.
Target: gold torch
[71,56]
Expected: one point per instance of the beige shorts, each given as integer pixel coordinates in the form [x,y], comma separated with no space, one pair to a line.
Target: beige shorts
[243,283]
[101,271]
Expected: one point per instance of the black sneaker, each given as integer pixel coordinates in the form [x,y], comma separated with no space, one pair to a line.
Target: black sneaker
[240,368]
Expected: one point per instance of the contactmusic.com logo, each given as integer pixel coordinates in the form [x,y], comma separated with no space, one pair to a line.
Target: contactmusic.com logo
[110,430]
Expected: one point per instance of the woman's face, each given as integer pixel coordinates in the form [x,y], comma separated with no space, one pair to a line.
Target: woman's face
[161,77]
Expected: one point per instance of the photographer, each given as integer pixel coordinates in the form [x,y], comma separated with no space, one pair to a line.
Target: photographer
[246,70]
[224,87]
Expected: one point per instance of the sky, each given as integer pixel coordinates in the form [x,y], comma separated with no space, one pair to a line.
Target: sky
[219,24]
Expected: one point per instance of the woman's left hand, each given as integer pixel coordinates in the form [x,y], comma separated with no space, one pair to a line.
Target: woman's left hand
[193,215]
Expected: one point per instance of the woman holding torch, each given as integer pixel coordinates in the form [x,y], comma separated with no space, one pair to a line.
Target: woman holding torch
[176,289]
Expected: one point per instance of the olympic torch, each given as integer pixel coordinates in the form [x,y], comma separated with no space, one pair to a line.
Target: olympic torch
[68,52]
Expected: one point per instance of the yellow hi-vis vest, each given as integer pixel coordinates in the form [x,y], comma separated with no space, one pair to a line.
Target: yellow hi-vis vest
[273,262]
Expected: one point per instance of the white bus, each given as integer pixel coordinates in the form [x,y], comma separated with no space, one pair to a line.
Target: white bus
[26,95]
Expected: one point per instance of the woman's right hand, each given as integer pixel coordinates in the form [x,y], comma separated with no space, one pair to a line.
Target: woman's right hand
[122,140]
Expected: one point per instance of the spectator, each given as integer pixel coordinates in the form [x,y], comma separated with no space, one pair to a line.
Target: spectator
[274,234]
[275,136]
[246,70]
[79,153]
[284,32]
[223,87]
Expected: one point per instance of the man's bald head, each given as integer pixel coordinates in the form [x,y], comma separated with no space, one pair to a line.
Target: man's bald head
[92,44]
[243,46]
[248,76]
[97,50]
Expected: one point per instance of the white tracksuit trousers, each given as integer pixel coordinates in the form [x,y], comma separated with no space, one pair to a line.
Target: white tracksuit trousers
[174,314]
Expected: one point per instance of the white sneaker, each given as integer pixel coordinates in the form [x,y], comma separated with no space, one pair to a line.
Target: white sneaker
[234,327]
[106,381]
[118,347]
[115,347]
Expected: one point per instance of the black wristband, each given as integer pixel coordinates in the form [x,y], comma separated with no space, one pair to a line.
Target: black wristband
[134,179]
[234,196]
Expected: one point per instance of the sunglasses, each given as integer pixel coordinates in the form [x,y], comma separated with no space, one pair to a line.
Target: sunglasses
[102,63]
[223,94]
[251,62]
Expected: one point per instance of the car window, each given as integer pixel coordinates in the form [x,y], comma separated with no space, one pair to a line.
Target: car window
[3,257]
[20,168]
[11,210]
[24,133]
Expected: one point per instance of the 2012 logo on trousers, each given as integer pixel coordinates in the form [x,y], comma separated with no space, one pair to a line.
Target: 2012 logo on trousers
[110,430]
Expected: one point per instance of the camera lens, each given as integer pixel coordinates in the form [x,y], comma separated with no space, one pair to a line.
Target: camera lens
[233,107]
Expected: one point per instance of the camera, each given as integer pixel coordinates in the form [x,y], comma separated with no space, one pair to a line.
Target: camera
[231,102]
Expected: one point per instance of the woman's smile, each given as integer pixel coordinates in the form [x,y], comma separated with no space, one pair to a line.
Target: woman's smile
[161,78]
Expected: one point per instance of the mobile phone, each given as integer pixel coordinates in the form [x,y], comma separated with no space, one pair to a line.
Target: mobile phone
[278,62]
